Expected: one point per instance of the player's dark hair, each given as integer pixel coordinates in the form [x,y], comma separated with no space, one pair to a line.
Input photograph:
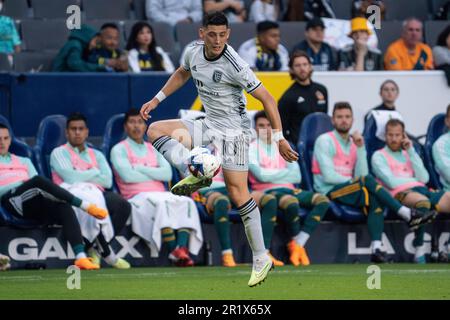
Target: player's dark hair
[294,55]
[133,44]
[394,123]
[266,25]
[131,113]
[391,82]
[260,114]
[215,18]
[341,105]
[4,126]
[442,39]
[76,116]
[448,111]
[109,25]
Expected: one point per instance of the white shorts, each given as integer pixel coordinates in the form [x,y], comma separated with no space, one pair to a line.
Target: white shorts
[231,147]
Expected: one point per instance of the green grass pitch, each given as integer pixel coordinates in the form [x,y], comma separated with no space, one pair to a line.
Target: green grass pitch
[398,281]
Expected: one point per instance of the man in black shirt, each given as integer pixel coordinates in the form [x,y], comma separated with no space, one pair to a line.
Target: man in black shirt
[302,98]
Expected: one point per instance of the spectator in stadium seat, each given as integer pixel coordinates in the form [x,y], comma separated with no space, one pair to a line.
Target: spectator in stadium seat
[140,173]
[359,8]
[359,56]
[322,55]
[265,52]
[262,10]
[401,170]
[441,154]
[341,172]
[389,92]
[9,37]
[409,52]
[174,11]
[84,172]
[272,179]
[302,98]
[28,196]
[73,56]
[233,9]
[143,52]
[441,53]
[107,53]
[302,10]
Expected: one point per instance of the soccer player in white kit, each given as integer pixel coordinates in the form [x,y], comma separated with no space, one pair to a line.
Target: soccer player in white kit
[219,75]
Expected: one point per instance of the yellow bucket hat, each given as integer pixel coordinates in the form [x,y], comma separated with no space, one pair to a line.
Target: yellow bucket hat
[359,24]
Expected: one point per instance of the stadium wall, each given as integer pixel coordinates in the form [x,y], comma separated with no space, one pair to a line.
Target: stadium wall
[27,98]
[332,242]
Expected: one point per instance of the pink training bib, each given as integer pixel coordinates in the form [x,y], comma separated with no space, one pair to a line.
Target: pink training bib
[13,172]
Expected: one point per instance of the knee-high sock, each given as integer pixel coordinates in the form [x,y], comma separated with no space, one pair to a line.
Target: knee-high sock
[292,219]
[222,223]
[268,218]
[375,220]
[105,250]
[183,237]
[382,195]
[168,237]
[320,207]
[174,152]
[423,207]
[119,210]
[251,218]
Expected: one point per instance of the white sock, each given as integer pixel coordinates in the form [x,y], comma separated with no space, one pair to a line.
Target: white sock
[174,152]
[376,245]
[405,213]
[420,251]
[84,204]
[251,217]
[111,259]
[80,255]
[227,251]
[301,238]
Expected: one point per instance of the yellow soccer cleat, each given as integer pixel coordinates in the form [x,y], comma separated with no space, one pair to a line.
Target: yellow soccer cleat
[94,256]
[97,212]
[228,260]
[121,264]
[189,185]
[86,264]
[260,270]
[276,262]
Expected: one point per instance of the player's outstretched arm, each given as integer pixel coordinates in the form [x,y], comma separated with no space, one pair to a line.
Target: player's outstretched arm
[270,107]
[176,81]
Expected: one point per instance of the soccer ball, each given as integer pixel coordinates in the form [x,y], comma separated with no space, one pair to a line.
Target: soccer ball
[203,163]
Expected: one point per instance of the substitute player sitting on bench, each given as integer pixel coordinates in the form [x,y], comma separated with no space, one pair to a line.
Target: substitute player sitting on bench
[140,173]
[29,196]
[341,172]
[271,175]
[401,170]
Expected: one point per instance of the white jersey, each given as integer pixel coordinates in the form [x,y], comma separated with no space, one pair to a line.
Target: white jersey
[220,82]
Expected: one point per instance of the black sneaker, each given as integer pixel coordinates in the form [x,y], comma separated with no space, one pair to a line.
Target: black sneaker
[378,256]
[419,219]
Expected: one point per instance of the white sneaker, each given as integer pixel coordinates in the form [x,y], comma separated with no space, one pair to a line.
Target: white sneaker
[261,267]
[4,262]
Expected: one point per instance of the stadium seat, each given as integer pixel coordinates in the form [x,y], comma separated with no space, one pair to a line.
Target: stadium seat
[163,34]
[33,61]
[139,9]
[402,9]
[389,32]
[16,9]
[432,31]
[241,32]
[7,219]
[436,128]
[40,35]
[113,133]
[292,33]
[4,63]
[312,127]
[186,33]
[51,134]
[342,8]
[107,9]
[51,9]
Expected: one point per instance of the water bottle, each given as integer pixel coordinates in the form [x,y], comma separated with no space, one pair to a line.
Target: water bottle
[434,256]
[208,254]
